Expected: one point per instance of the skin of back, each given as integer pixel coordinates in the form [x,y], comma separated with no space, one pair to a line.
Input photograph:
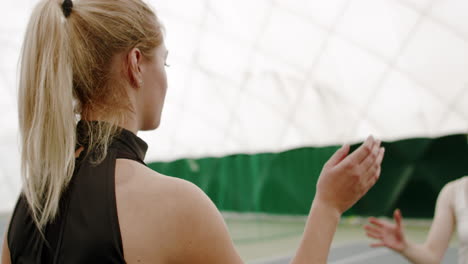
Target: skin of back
[173,215]
[5,252]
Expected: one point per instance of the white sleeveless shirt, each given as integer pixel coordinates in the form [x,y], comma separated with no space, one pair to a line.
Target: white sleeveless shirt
[461,215]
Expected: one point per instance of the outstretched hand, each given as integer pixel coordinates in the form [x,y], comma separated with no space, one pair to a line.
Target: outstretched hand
[346,178]
[389,234]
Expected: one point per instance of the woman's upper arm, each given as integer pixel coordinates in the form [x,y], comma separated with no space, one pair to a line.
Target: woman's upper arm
[5,251]
[444,222]
[202,235]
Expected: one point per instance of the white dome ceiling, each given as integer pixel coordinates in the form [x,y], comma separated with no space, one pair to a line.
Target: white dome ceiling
[270,75]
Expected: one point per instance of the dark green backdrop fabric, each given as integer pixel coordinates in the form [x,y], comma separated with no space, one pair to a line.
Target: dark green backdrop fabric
[413,172]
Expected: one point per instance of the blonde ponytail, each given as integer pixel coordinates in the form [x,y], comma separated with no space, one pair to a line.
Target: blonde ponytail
[66,70]
[46,114]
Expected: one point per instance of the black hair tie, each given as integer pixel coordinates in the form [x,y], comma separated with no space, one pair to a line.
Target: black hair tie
[67,6]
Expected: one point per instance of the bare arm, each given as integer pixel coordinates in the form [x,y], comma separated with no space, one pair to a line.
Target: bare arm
[202,235]
[5,251]
[433,250]
[344,180]
[318,234]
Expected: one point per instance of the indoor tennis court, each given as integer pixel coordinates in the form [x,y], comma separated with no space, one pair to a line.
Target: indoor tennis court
[262,93]
[273,239]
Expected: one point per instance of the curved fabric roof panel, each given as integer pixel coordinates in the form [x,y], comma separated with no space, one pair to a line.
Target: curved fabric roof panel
[271,75]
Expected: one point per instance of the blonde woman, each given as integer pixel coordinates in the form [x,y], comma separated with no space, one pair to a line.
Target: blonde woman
[451,210]
[87,195]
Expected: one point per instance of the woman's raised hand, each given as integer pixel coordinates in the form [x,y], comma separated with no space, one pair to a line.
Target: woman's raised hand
[388,234]
[346,178]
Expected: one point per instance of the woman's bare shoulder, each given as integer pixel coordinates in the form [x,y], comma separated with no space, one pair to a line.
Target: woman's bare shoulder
[447,196]
[133,178]
[168,220]
[146,188]
[451,186]
[153,211]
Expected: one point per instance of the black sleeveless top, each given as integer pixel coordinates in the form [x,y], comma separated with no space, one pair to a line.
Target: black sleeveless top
[86,230]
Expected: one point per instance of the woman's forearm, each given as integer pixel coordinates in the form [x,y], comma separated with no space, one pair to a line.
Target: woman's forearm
[343,181]
[318,234]
[419,254]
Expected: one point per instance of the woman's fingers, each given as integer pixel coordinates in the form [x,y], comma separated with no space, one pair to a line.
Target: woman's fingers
[381,155]
[373,161]
[372,229]
[373,172]
[339,155]
[370,159]
[344,176]
[377,161]
[374,235]
[376,245]
[360,153]
[398,218]
[373,176]
[377,222]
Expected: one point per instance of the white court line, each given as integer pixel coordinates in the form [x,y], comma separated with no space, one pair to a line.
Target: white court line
[362,256]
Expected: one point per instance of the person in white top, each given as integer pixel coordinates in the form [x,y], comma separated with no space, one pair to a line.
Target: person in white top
[451,211]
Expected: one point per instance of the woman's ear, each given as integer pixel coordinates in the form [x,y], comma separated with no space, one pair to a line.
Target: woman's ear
[134,60]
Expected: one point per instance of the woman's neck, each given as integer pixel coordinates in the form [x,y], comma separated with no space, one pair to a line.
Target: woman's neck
[130,124]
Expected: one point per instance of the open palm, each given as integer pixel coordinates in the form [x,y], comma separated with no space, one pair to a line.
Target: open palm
[389,234]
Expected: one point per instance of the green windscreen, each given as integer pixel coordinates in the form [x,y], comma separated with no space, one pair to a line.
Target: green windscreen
[413,173]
